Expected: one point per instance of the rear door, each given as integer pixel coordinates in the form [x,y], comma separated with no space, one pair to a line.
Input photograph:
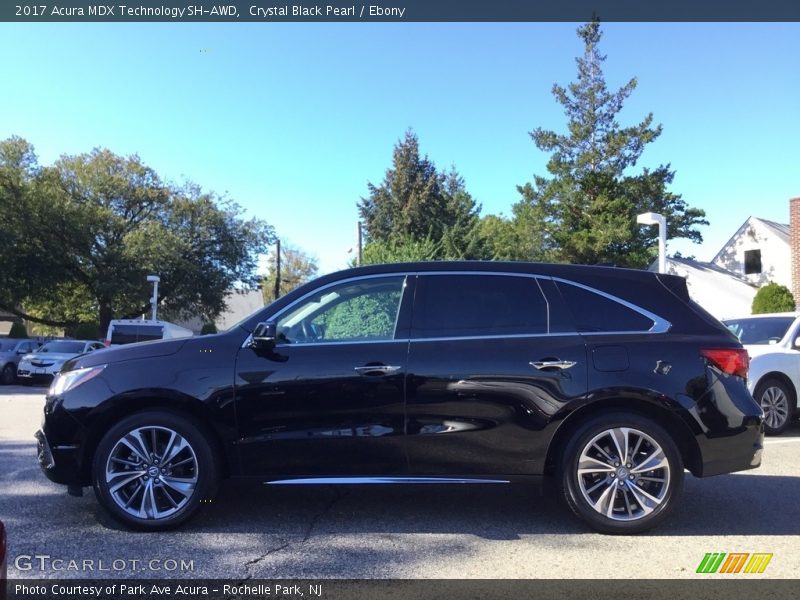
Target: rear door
[488,369]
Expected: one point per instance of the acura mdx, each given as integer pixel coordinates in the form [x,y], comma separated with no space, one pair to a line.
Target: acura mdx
[608,382]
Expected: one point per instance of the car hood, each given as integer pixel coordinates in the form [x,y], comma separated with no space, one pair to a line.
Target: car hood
[126,352]
[49,356]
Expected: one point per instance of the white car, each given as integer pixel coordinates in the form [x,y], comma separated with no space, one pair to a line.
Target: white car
[46,362]
[773,343]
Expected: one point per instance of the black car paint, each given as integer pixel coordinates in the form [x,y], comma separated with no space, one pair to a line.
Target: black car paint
[457,407]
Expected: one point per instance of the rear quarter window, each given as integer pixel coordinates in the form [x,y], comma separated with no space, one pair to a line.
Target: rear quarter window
[594,312]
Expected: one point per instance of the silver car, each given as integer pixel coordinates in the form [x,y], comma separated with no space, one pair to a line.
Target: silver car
[47,361]
[11,351]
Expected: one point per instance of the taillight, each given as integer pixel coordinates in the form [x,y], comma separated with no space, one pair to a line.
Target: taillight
[733,361]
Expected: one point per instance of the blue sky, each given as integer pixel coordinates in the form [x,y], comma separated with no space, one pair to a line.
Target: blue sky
[293,120]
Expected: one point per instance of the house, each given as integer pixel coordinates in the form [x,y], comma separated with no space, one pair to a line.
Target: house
[759,252]
[238,305]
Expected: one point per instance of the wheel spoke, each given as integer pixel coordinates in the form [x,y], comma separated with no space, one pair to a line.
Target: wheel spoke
[605,503]
[620,438]
[656,460]
[121,479]
[589,464]
[182,485]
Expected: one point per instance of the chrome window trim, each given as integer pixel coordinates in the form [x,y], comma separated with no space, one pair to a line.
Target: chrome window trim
[660,325]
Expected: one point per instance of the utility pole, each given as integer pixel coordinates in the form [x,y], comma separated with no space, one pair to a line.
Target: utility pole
[277,269]
[360,244]
[652,218]
[154,279]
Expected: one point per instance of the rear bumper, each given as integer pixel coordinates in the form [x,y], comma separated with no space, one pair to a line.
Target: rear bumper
[739,452]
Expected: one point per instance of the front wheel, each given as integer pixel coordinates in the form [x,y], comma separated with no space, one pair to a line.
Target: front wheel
[774,397]
[152,470]
[9,374]
[621,473]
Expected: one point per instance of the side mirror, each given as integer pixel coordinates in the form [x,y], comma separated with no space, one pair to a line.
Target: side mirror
[264,335]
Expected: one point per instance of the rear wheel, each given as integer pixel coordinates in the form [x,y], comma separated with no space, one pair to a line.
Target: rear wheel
[777,402]
[621,473]
[152,470]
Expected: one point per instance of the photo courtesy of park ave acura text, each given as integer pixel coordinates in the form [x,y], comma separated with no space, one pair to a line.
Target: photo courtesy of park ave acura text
[413,300]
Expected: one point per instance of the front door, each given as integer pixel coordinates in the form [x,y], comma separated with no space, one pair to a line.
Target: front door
[328,400]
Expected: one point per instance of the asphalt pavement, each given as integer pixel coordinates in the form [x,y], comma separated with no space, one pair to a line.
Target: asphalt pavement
[433,531]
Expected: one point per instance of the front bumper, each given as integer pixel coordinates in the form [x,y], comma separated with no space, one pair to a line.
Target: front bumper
[60,464]
[28,371]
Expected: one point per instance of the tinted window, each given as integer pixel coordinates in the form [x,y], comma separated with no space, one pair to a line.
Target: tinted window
[65,347]
[129,334]
[477,305]
[766,330]
[354,311]
[593,312]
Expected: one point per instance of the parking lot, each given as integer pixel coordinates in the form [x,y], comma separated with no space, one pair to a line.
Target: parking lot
[387,531]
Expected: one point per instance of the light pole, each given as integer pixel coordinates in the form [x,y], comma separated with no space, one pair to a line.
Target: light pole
[154,279]
[651,218]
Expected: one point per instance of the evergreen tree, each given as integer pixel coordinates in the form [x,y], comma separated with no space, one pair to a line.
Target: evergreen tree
[419,205]
[585,212]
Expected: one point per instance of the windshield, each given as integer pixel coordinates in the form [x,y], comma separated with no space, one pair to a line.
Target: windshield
[766,330]
[64,347]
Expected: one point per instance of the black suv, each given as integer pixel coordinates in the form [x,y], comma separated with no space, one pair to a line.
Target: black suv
[612,381]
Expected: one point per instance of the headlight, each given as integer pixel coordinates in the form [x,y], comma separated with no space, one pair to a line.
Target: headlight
[63,382]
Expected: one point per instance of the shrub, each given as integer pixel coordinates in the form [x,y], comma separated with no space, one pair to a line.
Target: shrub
[773,298]
[209,327]
[18,330]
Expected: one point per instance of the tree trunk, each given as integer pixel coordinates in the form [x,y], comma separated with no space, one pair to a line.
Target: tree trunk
[105,317]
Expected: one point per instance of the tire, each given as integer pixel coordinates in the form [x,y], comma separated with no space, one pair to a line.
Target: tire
[132,482]
[9,374]
[778,404]
[648,495]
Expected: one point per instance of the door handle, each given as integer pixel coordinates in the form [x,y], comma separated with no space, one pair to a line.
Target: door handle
[553,364]
[377,370]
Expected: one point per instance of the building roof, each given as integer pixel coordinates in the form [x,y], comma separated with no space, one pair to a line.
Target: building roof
[780,229]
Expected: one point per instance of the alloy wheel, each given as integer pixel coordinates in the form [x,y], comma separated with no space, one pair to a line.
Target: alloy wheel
[623,474]
[151,472]
[775,404]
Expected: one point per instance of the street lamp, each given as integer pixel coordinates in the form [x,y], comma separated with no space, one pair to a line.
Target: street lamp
[154,279]
[651,218]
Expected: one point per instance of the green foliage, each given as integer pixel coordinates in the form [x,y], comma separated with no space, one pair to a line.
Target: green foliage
[87,331]
[18,330]
[404,248]
[773,298]
[87,231]
[416,204]
[362,317]
[297,268]
[585,212]
[208,327]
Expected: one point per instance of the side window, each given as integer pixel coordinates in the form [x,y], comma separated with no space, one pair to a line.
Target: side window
[364,310]
[478,305]
[596,313]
